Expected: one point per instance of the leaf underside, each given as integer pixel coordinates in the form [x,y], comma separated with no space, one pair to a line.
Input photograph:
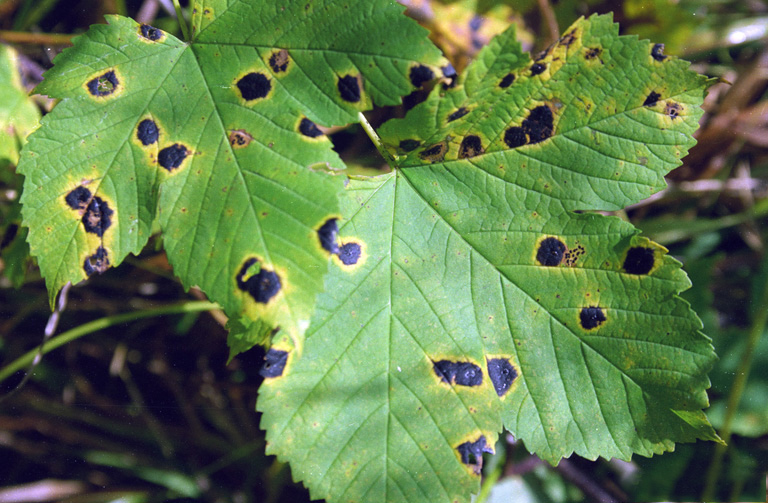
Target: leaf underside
[482,299]
[218,140]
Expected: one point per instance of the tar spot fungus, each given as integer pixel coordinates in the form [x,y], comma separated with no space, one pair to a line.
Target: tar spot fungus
[171,157]
[651,99]
[639,260]
[147,132]
[458,114]
[278,61]
[79,198]
[572,255]
[97,217]
[538,68]
[470,147]
[593,52]
[502,374]
[309,128]
[539,125]
[515,137]
[591,317]
[274,363]
[150,32]
[349,88]
[459,373]
[672,109]
[254,86]
[507,80]
[239,138]
[471,453]
[262,286]
[98,262]
[327,235]
[657,52]
[103,85]
[350,253]
[434,153]
[409,145]
[551,252]
[420,74]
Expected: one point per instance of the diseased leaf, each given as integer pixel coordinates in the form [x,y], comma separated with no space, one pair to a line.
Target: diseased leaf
[217,139]
[482,298]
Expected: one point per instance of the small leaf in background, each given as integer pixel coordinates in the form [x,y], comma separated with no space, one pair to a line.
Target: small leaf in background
[18,117]
[218,140]
[482,297]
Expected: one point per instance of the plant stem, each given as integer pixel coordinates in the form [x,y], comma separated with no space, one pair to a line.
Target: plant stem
[24,37]
[182,22]
[102,323]
[391,160]
[737,390]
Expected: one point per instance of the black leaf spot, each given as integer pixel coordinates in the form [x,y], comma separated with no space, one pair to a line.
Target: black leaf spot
[274,363]
[171,157]
[98,262]
[413,99]
[78,198]
[591,317]
[103,85]
[434,153]
[502,374]
[254,86]
[471,453]
[309,128]
[657,52]
[327,235]
[147,132]
[538,68]
[551,252]
[420,74]
[515,137]
[539,125]
[262,286]
[459,373]
[278,61]
[349,88]
[651,99]
[409,145]
[470,147]
[461,112]
[240,138]
[639,260]
[150,32]
[97,217]
[593,52]
[349,253]
[507,80]
[568,38]
[672,109]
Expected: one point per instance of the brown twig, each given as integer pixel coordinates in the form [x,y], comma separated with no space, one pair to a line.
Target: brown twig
[25,37]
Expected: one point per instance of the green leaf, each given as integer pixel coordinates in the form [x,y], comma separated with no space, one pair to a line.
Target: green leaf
[18,117]
[217,139]
[481,297]
[18,113]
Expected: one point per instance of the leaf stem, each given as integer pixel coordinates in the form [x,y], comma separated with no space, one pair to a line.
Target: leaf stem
[737,390]
[391,159]
[23,37]
[182,22]
[101,323]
